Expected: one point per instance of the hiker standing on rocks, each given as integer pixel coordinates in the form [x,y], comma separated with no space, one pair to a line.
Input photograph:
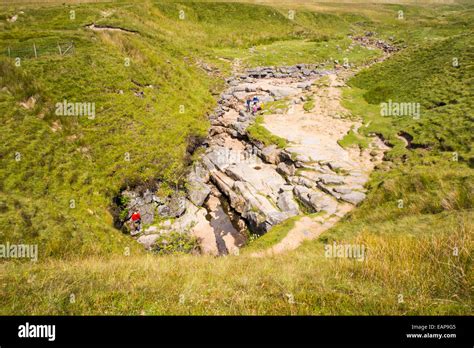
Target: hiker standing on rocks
[254,108]
[137,221]
[248,101]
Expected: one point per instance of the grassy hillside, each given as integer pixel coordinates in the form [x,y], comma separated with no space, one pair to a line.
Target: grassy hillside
[426,75]
[177,62]
[411,257]
[133,138]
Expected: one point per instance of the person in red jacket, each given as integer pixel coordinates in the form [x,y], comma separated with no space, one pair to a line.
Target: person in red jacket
[137,221]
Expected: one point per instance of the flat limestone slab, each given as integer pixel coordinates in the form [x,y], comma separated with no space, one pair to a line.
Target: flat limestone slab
[265,180]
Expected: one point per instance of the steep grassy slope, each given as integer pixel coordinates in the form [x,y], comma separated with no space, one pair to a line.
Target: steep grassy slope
[439,77]
[66,158]
[421,250]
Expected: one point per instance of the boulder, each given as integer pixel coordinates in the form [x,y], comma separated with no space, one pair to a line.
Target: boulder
[241,128]
[151,230]
[258,203]
[304,85]
[242,96]
[302,193]
[199,172]
[275,217]
[329,179]
[216,130]
[279,92]
[266,98]
[322,202]
[271,154]
[302,158]
[287,204]
[329,190]
[304,181]
[188,219]
[257,222]
[343,190]
[223,182]
[175,207]
[286,169]
[148,196]
[147,212]
[232,132]
[198,192]
[219,156]
[148,240]
[164,211]
[250,88]
[207,163]
[286,188]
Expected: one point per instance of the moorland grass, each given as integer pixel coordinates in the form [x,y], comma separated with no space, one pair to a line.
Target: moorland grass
[421,249]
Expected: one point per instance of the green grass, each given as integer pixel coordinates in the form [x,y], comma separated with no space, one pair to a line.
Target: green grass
[275,235]
[442,90]
[257,131]
[353,139]
[272,237]
[309,105]
[272,106]
[297,51]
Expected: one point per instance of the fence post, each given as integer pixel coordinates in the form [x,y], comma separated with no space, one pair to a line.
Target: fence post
[59,48]
[34,48]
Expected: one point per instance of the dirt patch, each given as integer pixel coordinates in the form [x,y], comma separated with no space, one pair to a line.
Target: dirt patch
[96,27]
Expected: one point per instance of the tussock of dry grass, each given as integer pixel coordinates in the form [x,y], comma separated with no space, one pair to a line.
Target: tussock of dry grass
[421,268]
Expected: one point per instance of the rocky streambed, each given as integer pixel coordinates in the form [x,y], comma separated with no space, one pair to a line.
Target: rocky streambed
[241,184]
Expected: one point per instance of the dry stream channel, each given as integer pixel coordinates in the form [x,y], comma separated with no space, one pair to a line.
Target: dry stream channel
[240,185]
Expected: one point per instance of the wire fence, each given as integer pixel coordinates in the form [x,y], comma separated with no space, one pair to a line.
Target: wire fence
[35,50]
